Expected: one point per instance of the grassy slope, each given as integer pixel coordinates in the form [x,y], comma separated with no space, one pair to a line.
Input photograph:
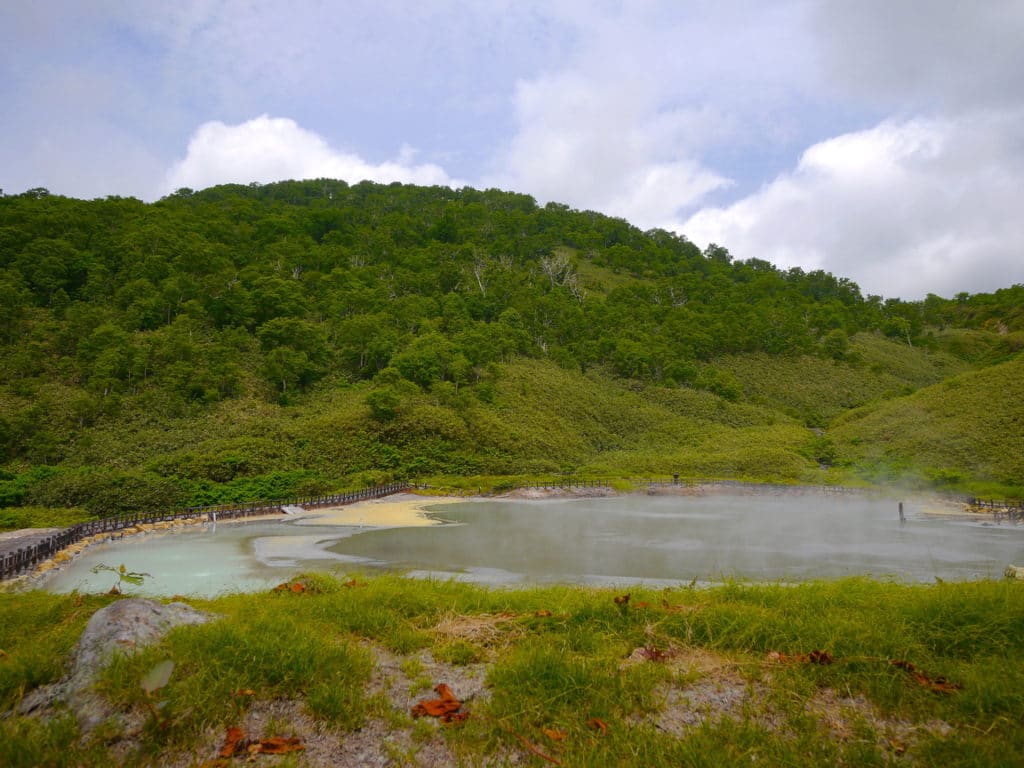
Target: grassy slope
[543,419]
[345,659]
[970,427]
[817,390]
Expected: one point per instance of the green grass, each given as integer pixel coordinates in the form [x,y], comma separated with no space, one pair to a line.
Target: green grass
[816,390]
[16,518]
[964,433]
[556,659]
[890,412]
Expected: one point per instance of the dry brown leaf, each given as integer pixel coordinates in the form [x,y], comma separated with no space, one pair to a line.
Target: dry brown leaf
[234,743]
[543,613]
[937,684]
[435,708]
[278,745]
[298,587]
[554,734]
[445,693]
[598,724]
[244,692]
[446,708]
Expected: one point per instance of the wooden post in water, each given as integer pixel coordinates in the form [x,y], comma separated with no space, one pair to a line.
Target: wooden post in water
[902,518]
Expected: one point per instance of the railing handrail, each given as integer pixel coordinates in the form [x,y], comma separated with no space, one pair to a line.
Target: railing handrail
[19,560]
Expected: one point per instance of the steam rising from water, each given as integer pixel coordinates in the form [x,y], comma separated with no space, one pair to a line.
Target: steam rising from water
[656,540]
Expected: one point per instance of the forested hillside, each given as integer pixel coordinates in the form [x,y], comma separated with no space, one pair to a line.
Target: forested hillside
[255,341]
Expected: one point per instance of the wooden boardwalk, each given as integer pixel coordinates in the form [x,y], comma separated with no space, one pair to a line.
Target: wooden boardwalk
[19,554]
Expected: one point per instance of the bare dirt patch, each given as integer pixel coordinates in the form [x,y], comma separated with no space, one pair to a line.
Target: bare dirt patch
[718,691]
[846,718]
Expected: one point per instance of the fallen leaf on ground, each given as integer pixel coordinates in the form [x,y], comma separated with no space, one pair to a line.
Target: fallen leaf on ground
[445,708]
[598,724]
[543,613]
[936,684]
[234,743]
[622,600]
[298,587]
[554,734]
[277,746]
[244,692]
[351,583]
[446,693]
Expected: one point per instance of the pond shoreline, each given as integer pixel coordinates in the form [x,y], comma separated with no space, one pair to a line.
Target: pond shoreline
[408,509]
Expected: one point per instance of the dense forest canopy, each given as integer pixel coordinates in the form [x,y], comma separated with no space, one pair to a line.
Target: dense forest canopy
[115,311]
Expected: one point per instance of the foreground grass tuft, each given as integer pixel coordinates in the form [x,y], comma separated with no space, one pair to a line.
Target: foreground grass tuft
[584,677]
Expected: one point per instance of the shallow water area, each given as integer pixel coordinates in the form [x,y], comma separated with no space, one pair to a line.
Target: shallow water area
[655,540]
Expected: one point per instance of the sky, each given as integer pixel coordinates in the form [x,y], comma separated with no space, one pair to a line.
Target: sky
[879,140]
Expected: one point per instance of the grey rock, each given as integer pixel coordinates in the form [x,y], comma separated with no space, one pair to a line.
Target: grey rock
[121,627]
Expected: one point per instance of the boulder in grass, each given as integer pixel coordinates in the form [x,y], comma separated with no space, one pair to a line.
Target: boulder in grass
[121,627]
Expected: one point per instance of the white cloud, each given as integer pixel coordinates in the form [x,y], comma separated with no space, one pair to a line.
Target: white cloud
[904,209]
[267,149]
[606,146]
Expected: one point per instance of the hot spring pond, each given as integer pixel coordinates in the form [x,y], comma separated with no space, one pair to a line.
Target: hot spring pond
[657,540]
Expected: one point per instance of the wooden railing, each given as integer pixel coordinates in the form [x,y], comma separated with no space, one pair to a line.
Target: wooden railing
[1004,509]
[17,561]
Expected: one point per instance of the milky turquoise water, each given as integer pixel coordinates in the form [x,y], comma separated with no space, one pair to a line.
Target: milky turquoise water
[621,540]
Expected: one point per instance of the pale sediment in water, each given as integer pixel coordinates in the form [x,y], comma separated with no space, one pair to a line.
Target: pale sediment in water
[405,511]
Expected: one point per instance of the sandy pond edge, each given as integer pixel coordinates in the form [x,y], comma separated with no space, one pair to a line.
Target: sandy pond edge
[399,510]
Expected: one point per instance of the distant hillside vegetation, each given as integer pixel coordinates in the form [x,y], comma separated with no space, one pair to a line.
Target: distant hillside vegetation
[253,341]
[969,427]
